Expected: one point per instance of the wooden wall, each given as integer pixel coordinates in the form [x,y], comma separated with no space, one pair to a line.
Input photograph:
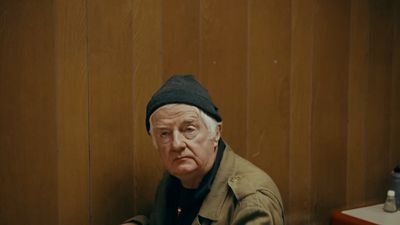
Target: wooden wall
[308,90]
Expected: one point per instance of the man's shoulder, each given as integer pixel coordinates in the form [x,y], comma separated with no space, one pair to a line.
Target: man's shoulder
[244,168]
[249,179]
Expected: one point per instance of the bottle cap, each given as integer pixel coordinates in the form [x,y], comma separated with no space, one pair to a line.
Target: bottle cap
[391,193]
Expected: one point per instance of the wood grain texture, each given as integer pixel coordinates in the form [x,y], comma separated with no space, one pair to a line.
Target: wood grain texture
[330,72]
[223,68]
[72,112]
[268,92]
[180,37]
[147,63]
[110,110]
[395,91]
[28,147]
[302,27]
[378,100]
[357,92]
[308,91]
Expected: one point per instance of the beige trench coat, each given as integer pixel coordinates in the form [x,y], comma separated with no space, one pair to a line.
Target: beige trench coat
[240,194]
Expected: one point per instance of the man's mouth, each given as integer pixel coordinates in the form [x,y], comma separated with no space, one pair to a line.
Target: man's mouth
[181,157]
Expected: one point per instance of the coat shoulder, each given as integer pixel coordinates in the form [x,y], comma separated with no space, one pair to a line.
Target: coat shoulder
[248,179]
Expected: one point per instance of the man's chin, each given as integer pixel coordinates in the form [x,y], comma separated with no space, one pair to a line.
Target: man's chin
[184,170]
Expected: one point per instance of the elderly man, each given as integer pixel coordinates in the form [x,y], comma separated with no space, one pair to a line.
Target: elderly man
[205,181]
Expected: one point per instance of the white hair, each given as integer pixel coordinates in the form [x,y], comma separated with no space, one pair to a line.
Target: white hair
[211,123]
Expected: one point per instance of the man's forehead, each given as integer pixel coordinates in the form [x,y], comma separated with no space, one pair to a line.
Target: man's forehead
[179,112]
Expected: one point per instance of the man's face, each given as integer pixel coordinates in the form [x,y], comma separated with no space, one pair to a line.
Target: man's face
[181,138]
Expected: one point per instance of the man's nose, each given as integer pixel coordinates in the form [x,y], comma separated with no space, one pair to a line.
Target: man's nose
[178,142]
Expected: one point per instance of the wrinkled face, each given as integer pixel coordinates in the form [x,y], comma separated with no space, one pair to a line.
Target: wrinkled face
[182,140]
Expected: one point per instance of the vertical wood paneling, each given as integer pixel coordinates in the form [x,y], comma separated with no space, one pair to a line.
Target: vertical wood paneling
[28,148]
[147,65]
[358,68]
[395,92]
[330,69]
[299,207]
[223,67]
[378,100]
[110,110]
[180,22]
[308,90]
[268,98]
[72,112]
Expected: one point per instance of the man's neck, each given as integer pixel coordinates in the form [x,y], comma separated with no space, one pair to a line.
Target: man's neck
[191,184]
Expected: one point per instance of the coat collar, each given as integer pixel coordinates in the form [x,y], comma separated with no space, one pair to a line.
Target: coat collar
[212,205]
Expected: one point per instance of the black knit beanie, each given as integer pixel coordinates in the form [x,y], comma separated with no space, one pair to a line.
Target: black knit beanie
[183,89]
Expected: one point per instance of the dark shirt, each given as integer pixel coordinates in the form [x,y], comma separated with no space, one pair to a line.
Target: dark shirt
[184,204]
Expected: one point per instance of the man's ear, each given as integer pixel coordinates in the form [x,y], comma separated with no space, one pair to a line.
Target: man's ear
[217,134]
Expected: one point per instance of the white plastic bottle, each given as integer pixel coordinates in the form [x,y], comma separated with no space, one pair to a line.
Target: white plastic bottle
[390,204]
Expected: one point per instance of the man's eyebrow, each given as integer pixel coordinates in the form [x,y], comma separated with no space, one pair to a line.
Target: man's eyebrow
[190,121]
[160,127]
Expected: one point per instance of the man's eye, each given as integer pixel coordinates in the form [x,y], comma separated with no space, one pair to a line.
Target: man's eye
[190,132]
[164,134]
[190,129]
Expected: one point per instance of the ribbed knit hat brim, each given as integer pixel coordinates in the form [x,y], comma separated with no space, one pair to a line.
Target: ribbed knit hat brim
[183,89]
